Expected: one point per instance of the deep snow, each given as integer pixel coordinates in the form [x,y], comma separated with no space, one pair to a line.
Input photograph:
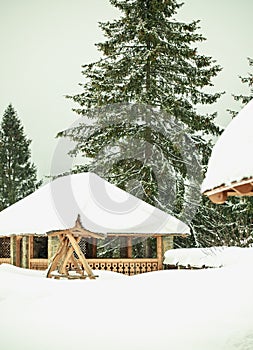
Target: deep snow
[209,309]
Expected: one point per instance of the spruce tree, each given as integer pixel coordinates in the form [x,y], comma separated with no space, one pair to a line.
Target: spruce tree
[244,99]
[140,95]
[17,173]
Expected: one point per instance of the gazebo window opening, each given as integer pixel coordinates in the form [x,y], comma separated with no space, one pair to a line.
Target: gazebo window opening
[40,247]
[109,248]
[144,247]
[117,247]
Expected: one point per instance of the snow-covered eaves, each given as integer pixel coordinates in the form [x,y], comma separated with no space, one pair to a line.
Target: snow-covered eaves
[102,207]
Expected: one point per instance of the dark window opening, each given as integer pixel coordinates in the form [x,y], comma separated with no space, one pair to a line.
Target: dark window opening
[40,247]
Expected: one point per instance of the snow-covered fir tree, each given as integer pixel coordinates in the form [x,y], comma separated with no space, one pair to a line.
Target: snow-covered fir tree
[17,173]
[145,133]
[248,80]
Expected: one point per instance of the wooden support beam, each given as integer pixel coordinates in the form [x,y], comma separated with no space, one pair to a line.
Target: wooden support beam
[80,255]
[18,250]
[68,258]
[159,250]
[218,198]
[62,263]
[243,189]
[31,239]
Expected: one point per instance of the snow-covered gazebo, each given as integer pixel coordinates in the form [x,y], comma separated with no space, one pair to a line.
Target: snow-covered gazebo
[29,225]
[230,168]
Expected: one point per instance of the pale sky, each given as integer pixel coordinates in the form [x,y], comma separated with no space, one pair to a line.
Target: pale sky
[45,42]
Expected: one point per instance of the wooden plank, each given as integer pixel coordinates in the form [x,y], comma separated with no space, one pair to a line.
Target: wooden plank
[218,198]
[62,263]
[31,247]
[159,252]
[18,251]
[243,189]
[38,264]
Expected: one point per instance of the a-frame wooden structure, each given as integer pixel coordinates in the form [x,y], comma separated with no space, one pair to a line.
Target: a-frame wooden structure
[69,260]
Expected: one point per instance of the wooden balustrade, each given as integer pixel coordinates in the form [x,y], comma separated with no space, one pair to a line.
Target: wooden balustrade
[38,264]
[5,260]
[125,266]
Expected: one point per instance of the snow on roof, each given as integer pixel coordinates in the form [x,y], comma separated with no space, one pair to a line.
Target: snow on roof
[103,207]
[208,257]
[231,159]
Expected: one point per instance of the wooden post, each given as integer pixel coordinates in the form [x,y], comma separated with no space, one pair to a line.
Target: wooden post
[15,250]
[13,242]
[31,247]
[159,249]
[25,252]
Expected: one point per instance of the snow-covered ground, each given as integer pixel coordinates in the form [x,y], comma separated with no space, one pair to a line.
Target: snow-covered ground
[209,309]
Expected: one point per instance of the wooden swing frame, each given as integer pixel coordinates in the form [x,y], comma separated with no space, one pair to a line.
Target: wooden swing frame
[65,264]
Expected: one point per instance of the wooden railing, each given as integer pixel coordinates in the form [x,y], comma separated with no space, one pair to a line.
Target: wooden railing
[125,266]
[5,260]
[38,264]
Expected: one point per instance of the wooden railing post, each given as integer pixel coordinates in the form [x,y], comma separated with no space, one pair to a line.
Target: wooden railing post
[159,247]
[25,256]
[15,250]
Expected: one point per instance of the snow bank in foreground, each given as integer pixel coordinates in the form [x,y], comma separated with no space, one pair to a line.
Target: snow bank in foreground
[208,309]
[209,257]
